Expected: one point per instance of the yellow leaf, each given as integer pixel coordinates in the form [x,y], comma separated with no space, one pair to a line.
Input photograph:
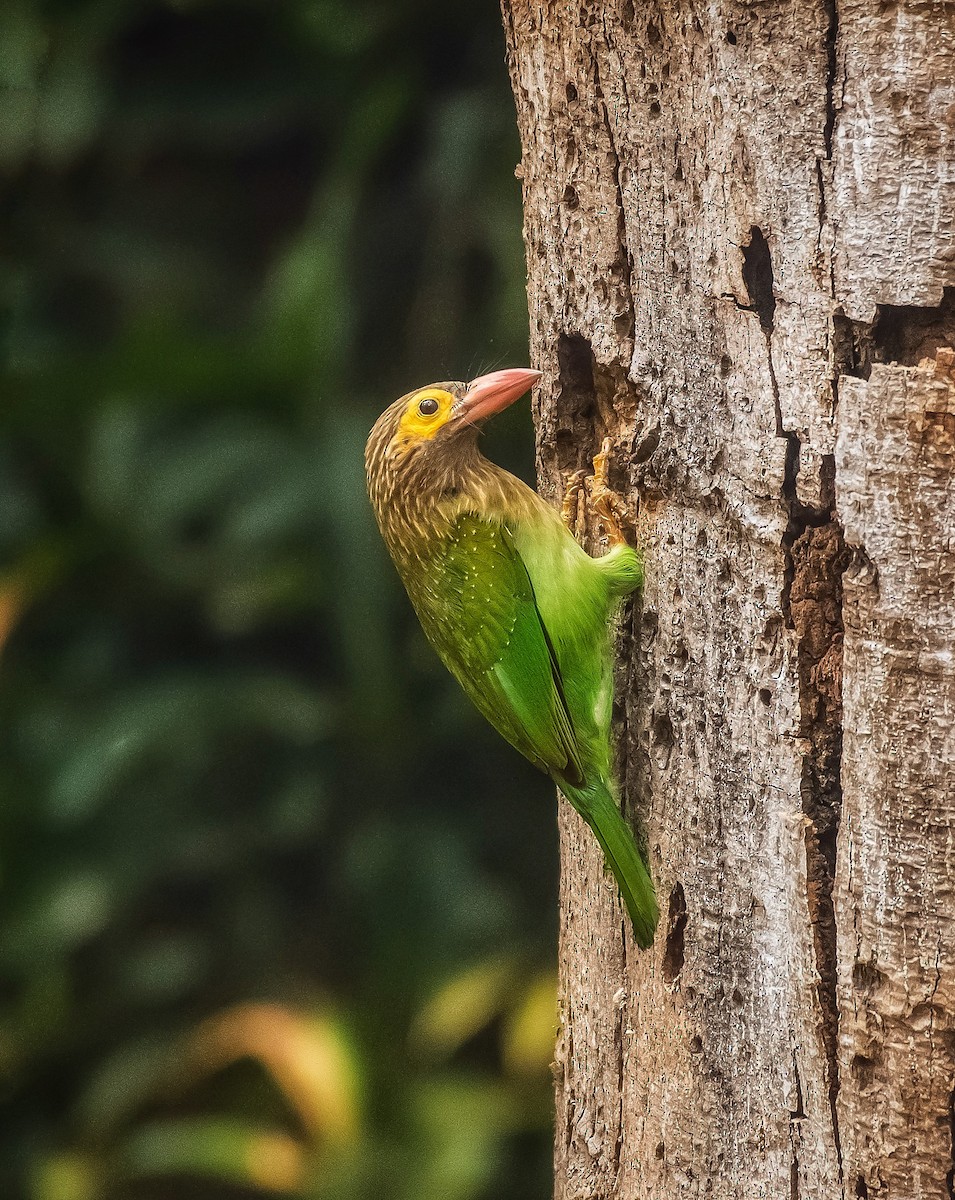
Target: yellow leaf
[65,1177]
[306,1055]
[464,1006]
[531,1028]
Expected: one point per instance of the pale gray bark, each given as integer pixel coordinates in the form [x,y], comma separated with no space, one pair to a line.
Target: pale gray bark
[740,230]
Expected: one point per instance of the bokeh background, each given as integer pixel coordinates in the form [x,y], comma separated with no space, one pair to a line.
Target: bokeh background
[277,911]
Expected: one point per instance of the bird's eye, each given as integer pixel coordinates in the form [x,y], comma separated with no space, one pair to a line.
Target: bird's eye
[428,406]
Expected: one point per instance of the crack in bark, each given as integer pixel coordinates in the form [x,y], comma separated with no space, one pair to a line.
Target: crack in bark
[815,559]
[832,34]
[622,239]
[798,1115]
[619,1049]
[823,217]
[758,278]
[563,1085]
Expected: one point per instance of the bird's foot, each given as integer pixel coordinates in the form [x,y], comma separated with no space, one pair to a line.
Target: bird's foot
[610,510]
[610,513]
[570,508]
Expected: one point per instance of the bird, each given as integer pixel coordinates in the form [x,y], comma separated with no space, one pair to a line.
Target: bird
[516,609]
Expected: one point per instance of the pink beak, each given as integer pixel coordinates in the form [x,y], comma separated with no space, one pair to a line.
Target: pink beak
[491,393]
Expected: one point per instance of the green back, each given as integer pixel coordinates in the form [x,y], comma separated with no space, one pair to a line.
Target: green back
[476,604]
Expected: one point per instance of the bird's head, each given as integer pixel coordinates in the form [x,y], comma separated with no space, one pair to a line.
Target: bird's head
[430,423]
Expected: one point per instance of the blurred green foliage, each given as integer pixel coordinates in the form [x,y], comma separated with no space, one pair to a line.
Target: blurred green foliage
[277,909]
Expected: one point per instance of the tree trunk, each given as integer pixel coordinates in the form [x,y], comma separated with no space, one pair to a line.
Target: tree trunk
[740,231]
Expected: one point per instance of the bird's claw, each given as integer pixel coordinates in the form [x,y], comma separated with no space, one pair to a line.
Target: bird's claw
[570,508]
[609,510]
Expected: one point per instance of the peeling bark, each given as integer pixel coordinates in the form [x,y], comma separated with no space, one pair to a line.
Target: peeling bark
[740,229]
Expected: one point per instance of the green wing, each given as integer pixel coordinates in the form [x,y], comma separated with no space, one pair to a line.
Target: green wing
[476,605]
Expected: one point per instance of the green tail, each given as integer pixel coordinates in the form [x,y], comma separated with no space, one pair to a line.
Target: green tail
[596,805]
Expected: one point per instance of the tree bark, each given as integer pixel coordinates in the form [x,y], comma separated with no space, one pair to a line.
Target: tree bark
[740,233]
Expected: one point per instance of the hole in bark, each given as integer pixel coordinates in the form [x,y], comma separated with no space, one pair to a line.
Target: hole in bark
[570,199]
[852,347]
[906,334]
[576,400]
[623,326]
[660,1151]
[676,925]
[571,93]
[696,1045]
[737,998]
[758,278]
[653,34]
[647,444]
[627,14]
[661,734]
[731,37]
[861,1189]
[726,365]
[575,364]
[765,696]
[654,109]
[862,1069]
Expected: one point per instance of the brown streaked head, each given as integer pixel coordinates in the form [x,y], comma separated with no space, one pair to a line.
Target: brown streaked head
[428,431]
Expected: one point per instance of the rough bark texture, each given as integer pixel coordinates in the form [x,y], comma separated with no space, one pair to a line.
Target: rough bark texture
[740,228]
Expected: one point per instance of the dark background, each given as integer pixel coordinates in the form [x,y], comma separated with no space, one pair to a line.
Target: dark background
[278,911]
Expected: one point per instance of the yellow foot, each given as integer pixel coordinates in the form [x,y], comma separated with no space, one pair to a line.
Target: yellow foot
[610,510]
[594,495]
[570,508]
